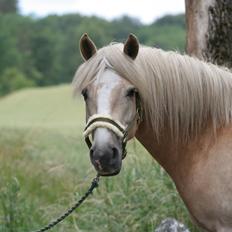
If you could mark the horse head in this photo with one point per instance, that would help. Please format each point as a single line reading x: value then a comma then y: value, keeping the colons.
x: 112, y: 110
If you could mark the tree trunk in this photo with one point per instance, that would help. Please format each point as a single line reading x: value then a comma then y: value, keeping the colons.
x: 8, y: 6
x: 209, y: 30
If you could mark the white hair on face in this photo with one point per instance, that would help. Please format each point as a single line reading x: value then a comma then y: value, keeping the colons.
x: 110, y: 80
x: 177, y: 91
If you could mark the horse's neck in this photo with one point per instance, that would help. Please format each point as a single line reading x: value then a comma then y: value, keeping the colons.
x: 175, y: 157
x: 162, y: 150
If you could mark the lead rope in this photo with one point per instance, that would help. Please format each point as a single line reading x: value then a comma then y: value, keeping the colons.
x: 75, y: 206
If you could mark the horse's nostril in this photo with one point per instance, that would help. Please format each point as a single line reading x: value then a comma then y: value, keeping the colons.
x: 115, y: 153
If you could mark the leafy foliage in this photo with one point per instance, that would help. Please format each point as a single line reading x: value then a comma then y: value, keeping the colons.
x: 12, y: 79
x: 45, y: 51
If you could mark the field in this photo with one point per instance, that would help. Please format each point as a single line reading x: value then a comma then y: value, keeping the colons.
x: 44, y: 167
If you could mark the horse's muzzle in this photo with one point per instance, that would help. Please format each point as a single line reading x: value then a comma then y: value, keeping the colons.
x: 107, y: 160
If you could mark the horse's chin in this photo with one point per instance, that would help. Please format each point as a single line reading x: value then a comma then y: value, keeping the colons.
x: 101, y: 173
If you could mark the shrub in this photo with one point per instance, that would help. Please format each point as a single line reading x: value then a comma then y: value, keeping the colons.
x: 13, y: 79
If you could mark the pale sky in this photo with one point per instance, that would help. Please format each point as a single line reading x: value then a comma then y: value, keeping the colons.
x: 145, y: 10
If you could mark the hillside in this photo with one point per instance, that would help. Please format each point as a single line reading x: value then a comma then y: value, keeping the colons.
x: 48, y: 107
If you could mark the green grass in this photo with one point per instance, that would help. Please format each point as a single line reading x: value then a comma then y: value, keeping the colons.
x: 44, y: 167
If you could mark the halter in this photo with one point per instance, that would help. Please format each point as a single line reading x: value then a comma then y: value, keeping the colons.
x: 106, y: 121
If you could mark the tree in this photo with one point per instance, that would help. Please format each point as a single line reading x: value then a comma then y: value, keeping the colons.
x: 8, y: 6
x: 45, y: 50
x: 9, y: 56
x: 209, y: 26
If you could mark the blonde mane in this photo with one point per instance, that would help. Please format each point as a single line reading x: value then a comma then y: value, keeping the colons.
x: 176, y: 90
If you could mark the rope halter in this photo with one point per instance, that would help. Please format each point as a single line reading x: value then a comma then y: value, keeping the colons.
x: 106, y: 121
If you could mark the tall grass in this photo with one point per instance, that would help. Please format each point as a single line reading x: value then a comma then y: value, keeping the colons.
x: 44, y: 172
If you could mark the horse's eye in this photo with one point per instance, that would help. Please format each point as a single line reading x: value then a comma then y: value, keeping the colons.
x: 131, y: 92
x: 84, y: 93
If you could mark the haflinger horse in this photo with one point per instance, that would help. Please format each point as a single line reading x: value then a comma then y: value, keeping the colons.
x: 178, y: 107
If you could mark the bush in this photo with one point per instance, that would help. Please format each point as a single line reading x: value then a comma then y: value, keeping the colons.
x: 13, y: 79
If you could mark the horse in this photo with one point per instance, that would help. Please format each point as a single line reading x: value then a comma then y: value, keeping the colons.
x: 178, y: 107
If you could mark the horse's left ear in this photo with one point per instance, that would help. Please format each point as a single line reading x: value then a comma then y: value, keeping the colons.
x: 87, y: 47
x: 131, y: 46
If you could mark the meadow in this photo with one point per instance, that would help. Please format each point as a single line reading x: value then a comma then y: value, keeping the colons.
x: 45, y: 167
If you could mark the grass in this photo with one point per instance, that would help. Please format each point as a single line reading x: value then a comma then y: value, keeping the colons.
x: 44, y: 167
x: 50, y: 107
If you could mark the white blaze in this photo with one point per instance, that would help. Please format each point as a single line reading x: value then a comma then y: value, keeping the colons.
x: 107, y: 82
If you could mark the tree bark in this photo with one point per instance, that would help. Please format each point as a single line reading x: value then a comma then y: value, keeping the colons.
x: 8, y: 6
x: 209, y: 30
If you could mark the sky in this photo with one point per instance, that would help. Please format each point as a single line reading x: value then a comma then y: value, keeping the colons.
x: 145, y: 10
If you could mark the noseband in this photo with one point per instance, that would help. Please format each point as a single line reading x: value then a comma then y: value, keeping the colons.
x: 106, y: 121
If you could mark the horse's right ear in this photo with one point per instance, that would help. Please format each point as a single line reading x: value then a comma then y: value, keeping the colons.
x: 87, y: 47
